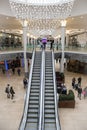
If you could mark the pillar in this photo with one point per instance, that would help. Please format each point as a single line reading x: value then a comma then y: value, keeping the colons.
x: 34, y: 43
x: 28, y: 40
x: 67, y: 40
x: 63, y: 25
x: 25, y: 47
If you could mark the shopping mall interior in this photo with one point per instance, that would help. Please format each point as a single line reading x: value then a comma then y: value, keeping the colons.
x: 43, y: 49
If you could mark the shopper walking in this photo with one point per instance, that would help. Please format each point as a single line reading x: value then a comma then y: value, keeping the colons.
x: 79, y: 92
x: 79, y: 81
x: 25, y: 82
x: 12, y: 92
x: 19, y: 71
x: 7, y: 90
x: 73, y: 82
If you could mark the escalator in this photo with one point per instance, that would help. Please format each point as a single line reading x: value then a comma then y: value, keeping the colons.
x: 50, y: 112
x: 40, y: 111
x: 30, y: 119
x: 33, y: 109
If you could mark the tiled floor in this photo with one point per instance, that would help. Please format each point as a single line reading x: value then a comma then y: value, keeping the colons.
x: 74, y: 119
x: 11, y: 110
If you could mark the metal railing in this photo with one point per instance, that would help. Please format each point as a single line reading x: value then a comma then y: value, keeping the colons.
x: 56, y: 48
x: 43, y: 87
x: 58, y: 127
x: 41, y: 93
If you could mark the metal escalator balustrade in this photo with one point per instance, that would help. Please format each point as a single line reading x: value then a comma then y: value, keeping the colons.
x: 58, y: 126
x: 41, y: 121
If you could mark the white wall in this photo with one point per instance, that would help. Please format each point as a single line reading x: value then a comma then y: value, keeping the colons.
x: 79, y: 8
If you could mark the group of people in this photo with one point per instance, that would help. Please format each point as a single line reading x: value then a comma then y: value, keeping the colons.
x: 18, y: 71
x: 77, y: 86
x: 9, y: 91
x: 61, y: 88
x: 13, y: 70
x: 74, y: 84
x: 43, y: 45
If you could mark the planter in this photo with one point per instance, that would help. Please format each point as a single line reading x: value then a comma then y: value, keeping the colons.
x: 66, y: 104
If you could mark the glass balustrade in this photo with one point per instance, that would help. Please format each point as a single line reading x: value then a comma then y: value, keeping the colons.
x: 56, y: 47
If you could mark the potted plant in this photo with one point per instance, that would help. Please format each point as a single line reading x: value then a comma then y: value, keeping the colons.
x: 67, y: 101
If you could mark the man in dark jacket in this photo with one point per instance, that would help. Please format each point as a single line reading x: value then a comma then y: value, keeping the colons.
x: 79, y: 92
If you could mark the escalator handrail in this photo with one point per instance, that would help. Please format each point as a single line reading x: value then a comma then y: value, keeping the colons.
x: 24, y: 117
x: 41, y: 93
x: 58, y: 127
x: 43, y: 89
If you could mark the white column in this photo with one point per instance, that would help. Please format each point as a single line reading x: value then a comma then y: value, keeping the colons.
x: 25, y: 47
x: 31, y: 40
x: 55, y: 43
x: 63, y: 25
x: 67, y: 40
x: 22, y: 40
x: 28, y: 39
x: 33, y: 43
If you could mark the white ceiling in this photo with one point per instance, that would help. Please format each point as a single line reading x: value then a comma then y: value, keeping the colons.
x: 77, y: 20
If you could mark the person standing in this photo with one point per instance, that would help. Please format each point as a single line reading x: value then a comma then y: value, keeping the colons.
x: 79, y: 92
x: 79, y: 81
x: 73, y: 82
x: 19, y: 71
x: 7, y: 90
x: 12, y: 92
x: 13, y: 70
x: 25, y: 82
x: 51, y: 44
x: 28, y: 63
x: 3, y: 70
x: 44, y: 45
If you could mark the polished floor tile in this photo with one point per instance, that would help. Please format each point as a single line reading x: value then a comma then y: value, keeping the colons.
x: 11, y: 110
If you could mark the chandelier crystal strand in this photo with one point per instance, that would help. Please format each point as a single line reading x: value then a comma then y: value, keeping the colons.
x: 27, y: 9
x: 41, y: 2
x: 41, y: 23
x: 42, y: 14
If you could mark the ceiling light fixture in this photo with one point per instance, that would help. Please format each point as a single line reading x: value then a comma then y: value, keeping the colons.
x: 44, y: 14
x: 41, y: 9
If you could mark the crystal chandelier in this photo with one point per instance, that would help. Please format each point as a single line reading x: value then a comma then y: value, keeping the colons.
x: 44, y: 24
x: 41, y: 9
x: 42, y: 15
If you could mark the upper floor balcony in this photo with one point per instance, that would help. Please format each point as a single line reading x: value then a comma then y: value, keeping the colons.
x: 56, y: 47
